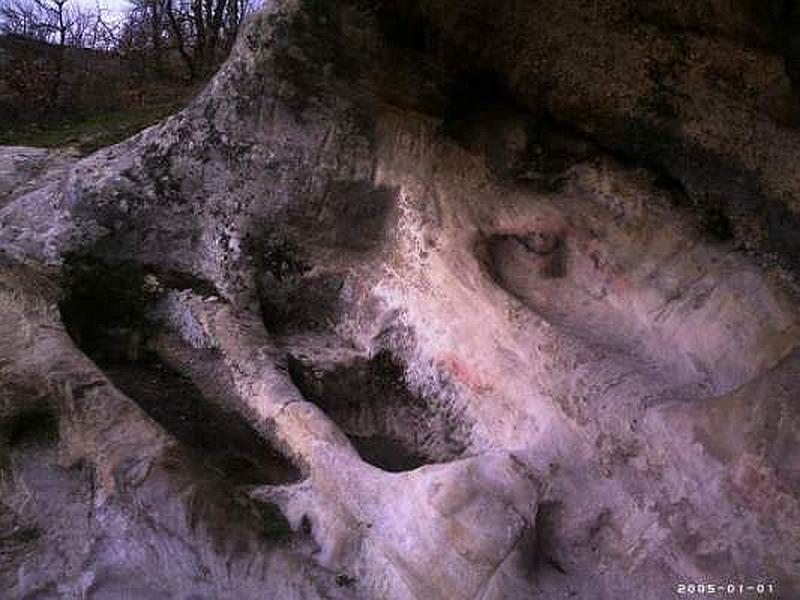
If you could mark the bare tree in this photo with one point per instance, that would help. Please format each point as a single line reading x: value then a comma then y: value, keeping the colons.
x: 204, y: 30
x: 153, y: 33
x: 104, y: 33
x: 60, y: 22
x: 201, y: 32
x: 24, y: 18
x: 146, y: 32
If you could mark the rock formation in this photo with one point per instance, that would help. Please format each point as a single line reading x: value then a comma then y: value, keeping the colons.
x: 425, y: 299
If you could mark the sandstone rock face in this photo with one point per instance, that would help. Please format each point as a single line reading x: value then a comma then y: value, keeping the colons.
x: 418, y: 300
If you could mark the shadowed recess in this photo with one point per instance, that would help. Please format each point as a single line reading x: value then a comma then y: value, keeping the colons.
x: 112, y: 323
x: 392, y: 427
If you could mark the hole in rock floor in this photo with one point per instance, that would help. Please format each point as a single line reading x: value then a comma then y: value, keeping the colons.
x: 392, y: 427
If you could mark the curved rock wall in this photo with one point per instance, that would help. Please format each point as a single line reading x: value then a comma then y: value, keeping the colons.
x: 502, y: 294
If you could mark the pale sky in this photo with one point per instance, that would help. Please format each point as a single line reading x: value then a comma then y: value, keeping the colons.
x: 112, y: 6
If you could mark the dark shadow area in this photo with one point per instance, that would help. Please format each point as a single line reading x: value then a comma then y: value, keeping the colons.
x: 300, y: 303
x: 388, y: 453
x: 547, y: 555
x: 354, y: 217
x: 392, y: 427
x: 292, y: 297
x: 108, y: 314
x: 35, y: 425
x: 727, y: 195
x: 229, y: 519
x: 222, y: 441
x: 38, y: 423
x: 521, y: 146
x: 472, y: 93
x: 404, y: 26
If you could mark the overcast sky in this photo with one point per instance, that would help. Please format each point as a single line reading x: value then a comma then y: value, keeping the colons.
x: 115, y: 6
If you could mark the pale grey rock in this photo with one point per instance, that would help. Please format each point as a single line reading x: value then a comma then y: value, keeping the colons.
x: 464, y: 352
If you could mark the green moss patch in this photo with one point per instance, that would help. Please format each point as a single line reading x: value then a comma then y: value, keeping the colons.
x: 86, y: 132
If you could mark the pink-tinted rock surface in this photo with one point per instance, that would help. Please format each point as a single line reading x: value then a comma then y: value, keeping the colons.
x: 424, y: 300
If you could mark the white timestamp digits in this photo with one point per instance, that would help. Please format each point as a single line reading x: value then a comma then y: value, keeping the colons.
x: 697, y: 588
x: 711, y: 589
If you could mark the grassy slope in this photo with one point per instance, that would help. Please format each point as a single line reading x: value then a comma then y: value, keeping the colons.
x: 88, y: 132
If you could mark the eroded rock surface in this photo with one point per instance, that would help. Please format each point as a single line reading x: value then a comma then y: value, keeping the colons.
x: 386, y: 312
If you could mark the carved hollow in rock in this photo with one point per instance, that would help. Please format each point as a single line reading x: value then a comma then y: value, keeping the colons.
x: 113, y: 325
x: 392, y: 427
x: 299, y: 277
x: 32, y: 426
x: 294, y: 296
x: 355, y: 216
x: 35, y: 423
x: 302, y: 302
x: 580, y: 307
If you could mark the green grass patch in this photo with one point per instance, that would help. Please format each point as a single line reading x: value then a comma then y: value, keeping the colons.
x: 87, y: 132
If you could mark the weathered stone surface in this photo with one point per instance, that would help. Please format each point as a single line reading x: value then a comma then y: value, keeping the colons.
x: 387, y: 313
x: 24, y: 169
